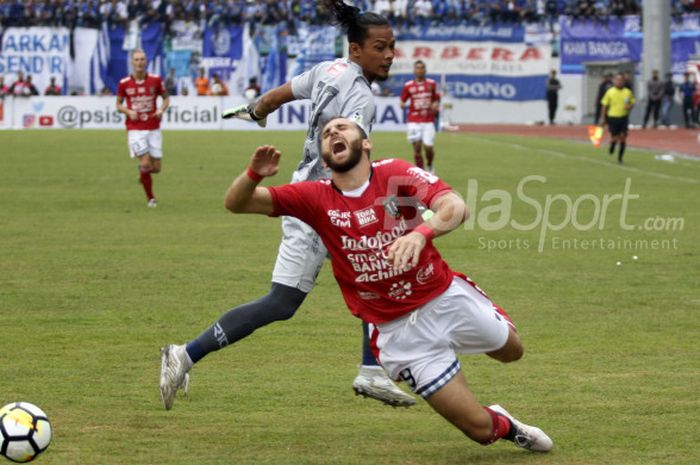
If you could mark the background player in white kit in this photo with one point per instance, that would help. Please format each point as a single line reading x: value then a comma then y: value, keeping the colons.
x: 340, y: 87
x: 424, y: 98
x: 422, y: 312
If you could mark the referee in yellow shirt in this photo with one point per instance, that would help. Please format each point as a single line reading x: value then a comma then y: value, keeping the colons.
x: 617, y: 104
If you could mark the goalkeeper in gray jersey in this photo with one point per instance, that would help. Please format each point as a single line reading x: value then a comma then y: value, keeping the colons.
x: 335, y: 88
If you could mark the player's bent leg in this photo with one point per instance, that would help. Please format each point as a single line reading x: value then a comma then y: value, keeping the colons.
x: 457, y: 404
x: 417, y: 154
x: 145, y: 169
x: 240, y: 322
x: 155, y: 165
x: 429, y: 156
x: 176, y: 360
x: 524, y: 436
x: 511, y: 351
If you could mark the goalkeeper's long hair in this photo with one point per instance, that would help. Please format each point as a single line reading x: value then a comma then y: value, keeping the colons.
x: 353, y: 21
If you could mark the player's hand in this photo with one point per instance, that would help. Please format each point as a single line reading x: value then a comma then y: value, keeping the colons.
x: 244, y: 112
x: 265, y: 160
x: 405, y: 252
x: 132, y: 114
x: 159, y: 114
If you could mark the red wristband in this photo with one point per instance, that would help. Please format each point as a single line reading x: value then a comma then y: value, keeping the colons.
x: 253, y: 175
x: 425, y: 230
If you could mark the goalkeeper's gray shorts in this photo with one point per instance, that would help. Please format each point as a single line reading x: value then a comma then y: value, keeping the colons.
x: 300, y: 255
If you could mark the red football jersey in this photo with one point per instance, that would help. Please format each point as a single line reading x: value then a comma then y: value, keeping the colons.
x: 142, y: 96
x: 358, y: 231
x: 422, y: 95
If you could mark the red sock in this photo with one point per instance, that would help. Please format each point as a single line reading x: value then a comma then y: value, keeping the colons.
x: 501, y: 427
x: 419, y: 160
x: 147, y: 183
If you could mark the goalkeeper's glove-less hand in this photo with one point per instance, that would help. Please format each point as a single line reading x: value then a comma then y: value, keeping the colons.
x: 246, y: 113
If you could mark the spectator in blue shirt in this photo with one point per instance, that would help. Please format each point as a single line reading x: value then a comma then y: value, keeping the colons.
x: 687, y: 89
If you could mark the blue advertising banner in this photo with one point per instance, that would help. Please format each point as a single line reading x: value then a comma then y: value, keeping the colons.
x: 222, y: 48
x: 39, y: 52
x: 470, y: 33
x: 483, y: 70
x: 621, y: 39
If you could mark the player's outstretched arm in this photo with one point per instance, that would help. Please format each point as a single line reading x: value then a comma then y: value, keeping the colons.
x: 450, y: 211
x: 266, y: 104
x: 244, y: 195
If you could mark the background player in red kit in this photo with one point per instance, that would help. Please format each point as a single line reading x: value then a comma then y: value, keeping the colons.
x: 425, y: 103
x: 141, y: 91
x: 422, y: 314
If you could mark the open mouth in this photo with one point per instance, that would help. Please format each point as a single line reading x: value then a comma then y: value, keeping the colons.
x: 337, y: 146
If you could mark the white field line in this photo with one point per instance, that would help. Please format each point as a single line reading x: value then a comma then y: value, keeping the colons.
x: 608, y: 164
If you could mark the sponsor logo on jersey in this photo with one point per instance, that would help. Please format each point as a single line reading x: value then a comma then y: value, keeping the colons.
x: 400, y: 290
x: 390, y: 206
x: 366, y: 216
x: 376, y: 242
x: 425, y: 274
x: 337, y: 68
x: 367, y: 295
x: 338, y: 218
x: 130, y: 91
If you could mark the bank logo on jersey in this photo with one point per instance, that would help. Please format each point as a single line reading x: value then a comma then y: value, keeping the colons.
x: 366, y: 216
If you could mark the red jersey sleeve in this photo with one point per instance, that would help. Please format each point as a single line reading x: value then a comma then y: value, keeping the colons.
x: 404, y: 93
x: 163, y: 92
x: 436, y: 93
x: 121, y: 90
x: 297, y: 200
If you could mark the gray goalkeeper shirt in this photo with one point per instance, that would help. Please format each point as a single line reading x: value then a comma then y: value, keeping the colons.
x: 335, y: 88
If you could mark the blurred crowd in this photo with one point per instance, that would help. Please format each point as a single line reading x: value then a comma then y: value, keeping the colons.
x: 92, y: 13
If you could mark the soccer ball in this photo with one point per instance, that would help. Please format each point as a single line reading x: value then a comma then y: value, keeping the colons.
x: 25, y: 431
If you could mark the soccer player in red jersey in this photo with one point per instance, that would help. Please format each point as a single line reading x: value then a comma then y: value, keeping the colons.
x: 137, y: 97
x: 422, y: 314
x: 424, y: 105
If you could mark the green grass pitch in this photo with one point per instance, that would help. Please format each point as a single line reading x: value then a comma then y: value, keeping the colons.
x: 92, y: 283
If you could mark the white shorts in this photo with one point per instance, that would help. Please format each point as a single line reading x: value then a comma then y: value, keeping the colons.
x: 145, y: 142
x: 423, y: 132
x: 421, y: 348
x: 300, y: 255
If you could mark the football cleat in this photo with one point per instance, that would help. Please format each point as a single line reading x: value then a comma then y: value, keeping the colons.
x: 174, y: 367
x: 373, y: 382
x: 526, y: 436
x: 152, y: 203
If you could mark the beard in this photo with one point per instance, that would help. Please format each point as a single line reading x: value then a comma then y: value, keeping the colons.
x: 350, y: 163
